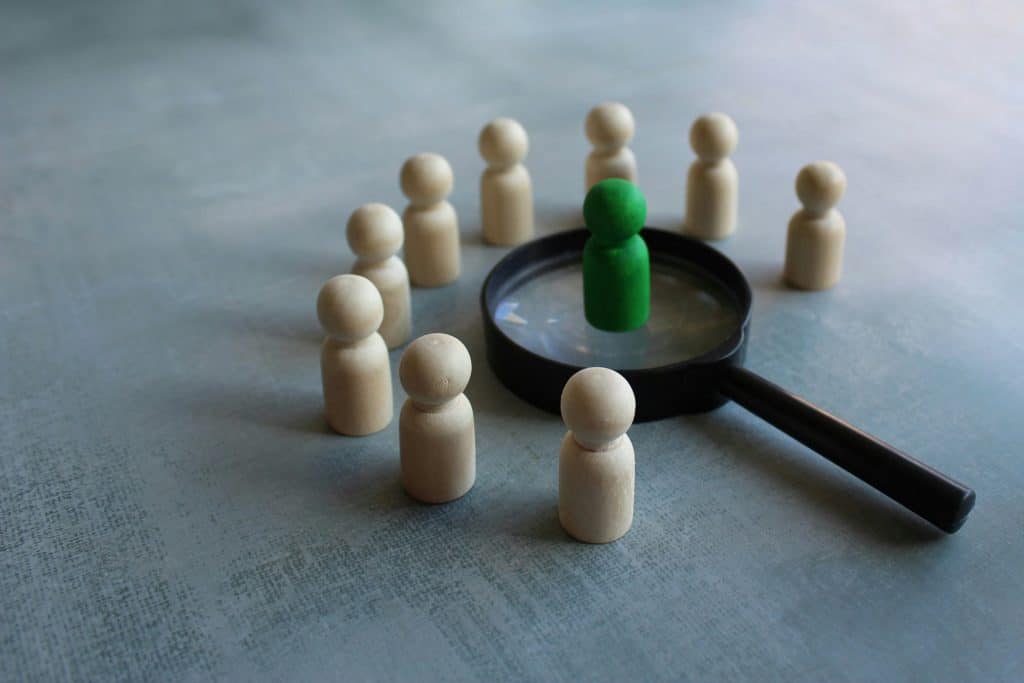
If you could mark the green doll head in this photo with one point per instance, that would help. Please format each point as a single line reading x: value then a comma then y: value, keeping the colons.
x: 614, y: 210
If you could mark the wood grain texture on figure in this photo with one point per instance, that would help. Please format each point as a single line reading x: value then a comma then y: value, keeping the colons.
x: 712, y: 184
x: 437, y: 436
x: 506, y: 192
x: 374, y: 234
x: 610, y: 127
x: 432, y: 251
x: 596, y: 464
x: 817, y: 232
x: 354, y: 365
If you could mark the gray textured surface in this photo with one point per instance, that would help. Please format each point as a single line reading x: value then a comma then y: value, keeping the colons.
x: 174, y: 181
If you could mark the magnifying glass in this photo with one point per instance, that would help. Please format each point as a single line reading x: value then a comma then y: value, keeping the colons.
x: 687, y: 359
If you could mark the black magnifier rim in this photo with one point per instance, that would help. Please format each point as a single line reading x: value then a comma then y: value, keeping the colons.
x: 684, y: 387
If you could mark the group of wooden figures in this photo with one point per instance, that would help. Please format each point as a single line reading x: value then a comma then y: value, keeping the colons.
x: 368, y: 312
x: 436, y: 433
x: 817, y: 232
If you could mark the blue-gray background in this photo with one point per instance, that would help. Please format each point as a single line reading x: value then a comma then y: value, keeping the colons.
x: 174, y: 183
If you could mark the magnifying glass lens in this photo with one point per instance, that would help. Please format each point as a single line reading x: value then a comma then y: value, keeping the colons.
x: 692, y: 313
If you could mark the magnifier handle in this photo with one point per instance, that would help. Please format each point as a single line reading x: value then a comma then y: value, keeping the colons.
x: 937, y: 498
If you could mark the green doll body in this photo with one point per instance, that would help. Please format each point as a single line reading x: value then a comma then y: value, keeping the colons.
x: 616, y: 264
x: 616, y: 284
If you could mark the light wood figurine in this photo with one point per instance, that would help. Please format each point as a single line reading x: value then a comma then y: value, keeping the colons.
x: 596, y: 465
x: 432, y: 250
x: 817, y: 232
x: 610, y: 127
x: 437, y: 437
x: 506, y: 193
x: 374, y: 233
x: 354, y: 365
x: 712, y: 185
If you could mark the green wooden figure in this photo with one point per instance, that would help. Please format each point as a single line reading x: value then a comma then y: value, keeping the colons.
x: 616, y: 265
